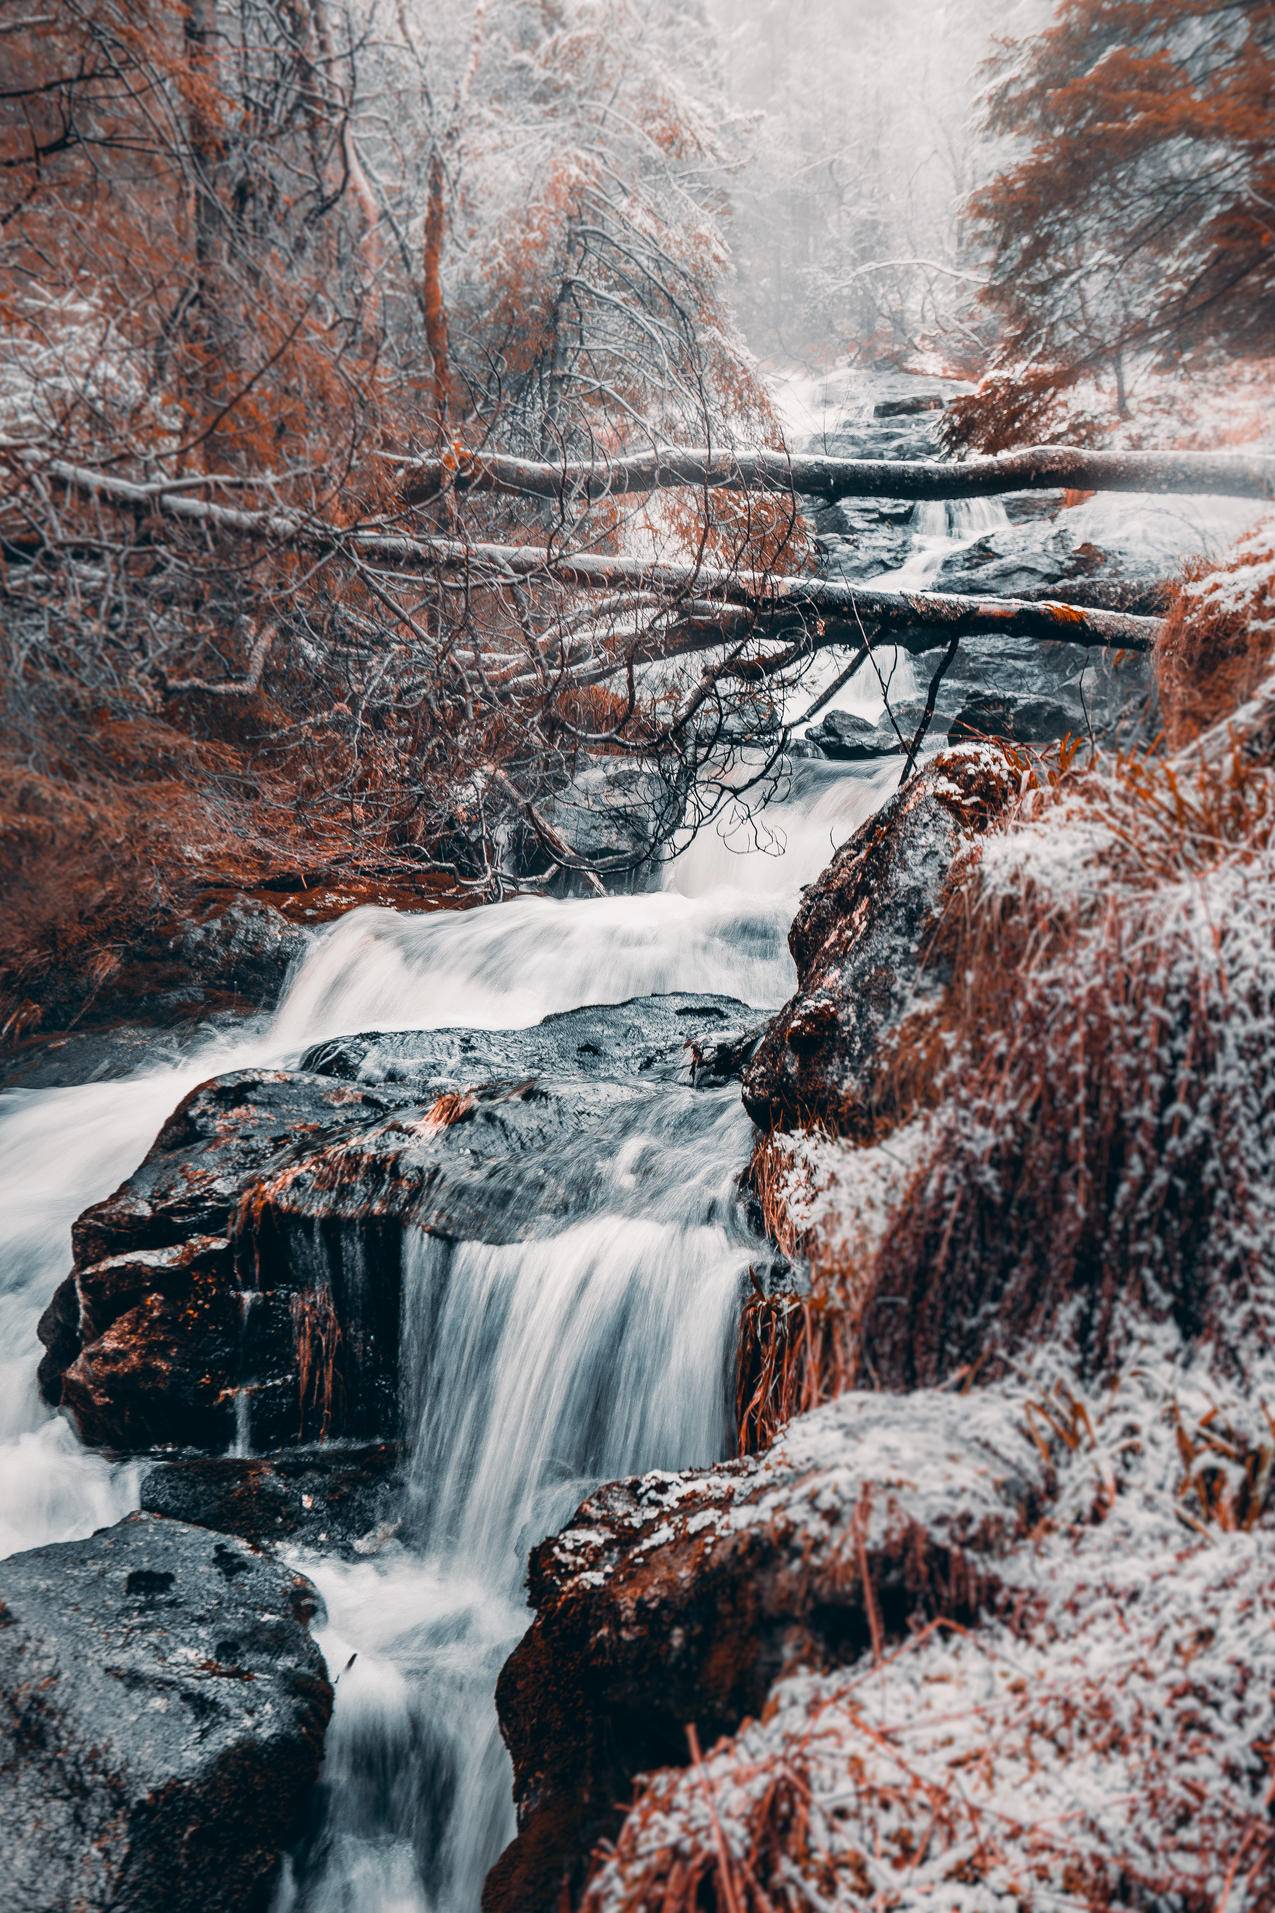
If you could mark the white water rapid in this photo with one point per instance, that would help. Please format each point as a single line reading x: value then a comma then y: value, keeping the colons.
x: 532, y: 1371
x: 535, y: 1370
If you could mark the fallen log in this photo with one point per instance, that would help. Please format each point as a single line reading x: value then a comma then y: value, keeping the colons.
x: 813, y: 475
x: 891, y: 616
x: 850, y: 613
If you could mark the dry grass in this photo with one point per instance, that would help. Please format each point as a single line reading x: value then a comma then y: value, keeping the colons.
x: 940, y: 1780
x: 794, y: 1354
x: 139, y: 828
x: 95, y: 868
x: 1095, y: 1076
x: 796, y: 1349
x: 1218, y: 641
x: 1100, y: 1142
x: 1106, y: 1134
x: 1098, y: 1740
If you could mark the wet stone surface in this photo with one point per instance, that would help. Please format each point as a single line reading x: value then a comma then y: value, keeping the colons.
x: 163, y: 1720
x: 247, y: 1275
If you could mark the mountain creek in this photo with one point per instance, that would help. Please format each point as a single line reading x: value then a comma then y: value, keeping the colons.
x: 372, y: 1287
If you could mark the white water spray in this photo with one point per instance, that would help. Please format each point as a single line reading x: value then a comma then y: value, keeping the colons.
x: 533, y: 1370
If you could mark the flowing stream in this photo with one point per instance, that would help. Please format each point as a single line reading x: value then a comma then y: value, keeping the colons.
x: 532, y: 1371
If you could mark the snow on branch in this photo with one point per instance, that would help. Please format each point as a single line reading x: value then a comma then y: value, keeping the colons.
x: 1035, y: 468
x: 843, y: 613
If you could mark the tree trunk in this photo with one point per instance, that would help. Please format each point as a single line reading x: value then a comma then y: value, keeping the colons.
x: 916, y: 619
x: 433, y: 302
x: 1036, y: 468
x: 210, y: 340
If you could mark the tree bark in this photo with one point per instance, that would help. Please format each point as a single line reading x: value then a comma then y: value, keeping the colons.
x: 209, y: 329
x: 849, y: 611
x: 433, y: 301
x: 1036, y: 468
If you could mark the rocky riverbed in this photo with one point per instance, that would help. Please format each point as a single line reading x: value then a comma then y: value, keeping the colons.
x: 360, y: 1319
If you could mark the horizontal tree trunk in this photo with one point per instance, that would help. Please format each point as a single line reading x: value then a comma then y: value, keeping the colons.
x: 1036, y: 468
x: 850, y: 612
x: 892, y: 616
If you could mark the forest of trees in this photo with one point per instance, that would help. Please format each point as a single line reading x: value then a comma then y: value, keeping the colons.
x: 259, y: 260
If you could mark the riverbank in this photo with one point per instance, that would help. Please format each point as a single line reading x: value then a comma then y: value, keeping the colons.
x: 438, y: 1280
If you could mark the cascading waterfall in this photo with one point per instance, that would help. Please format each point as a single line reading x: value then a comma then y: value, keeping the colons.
x: 719, y: 924
x: 531, y: 1370
x: 540, y: 1368
x: 941, y: 528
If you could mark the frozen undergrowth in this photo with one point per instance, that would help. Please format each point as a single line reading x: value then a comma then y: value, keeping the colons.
x: 865, y: 1471
x: 1103, y: 1740
x: 839, y: 1194
x: 1090, y: 1217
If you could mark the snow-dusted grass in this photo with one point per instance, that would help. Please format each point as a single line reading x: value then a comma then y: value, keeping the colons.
x: 1216, y: 646
x: 1101, y: 1741
x: 1092, y: 1106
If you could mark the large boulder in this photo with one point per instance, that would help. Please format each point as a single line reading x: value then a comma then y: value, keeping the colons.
x: 1025, y: 720
x: 164, y: 1708
x: 613, y: 814
x: 244, y: 1283
x: 864, y: 942
x: 245, y: 948
x: 909, y: 405
x: 682, y: 1598
x: 160, y: 1321
x: 341, y: 1497
x: 848, y: 739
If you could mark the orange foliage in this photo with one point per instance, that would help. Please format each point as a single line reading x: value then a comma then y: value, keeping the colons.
x: 1218, y: 642
x: 1099, y: 259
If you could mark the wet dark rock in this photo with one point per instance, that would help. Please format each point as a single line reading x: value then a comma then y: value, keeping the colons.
x: 1016, y: 561
x: 682, y: 1598
x: 907, y: 407
x: 1028, y: 720
x: 613, y: 814
x: 857, y: 539
x: 163, y: 1720
x: 648, y: 1036
x: 1025, y: 508
x: 1103, y: 694
x: 853, y: 740
x: 100, y: 1054
x: 722, y: 1052
x: 210, y: 965
x: 1040, y: 558
x: 247, y: 948
x: 249, y: 1272
x: 144, y: 1340
x: 341, y: 1497
x: 863, y: 945
x: 963, y: 710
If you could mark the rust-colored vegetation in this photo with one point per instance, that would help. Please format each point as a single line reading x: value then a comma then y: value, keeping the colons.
x: 1095, y: 1135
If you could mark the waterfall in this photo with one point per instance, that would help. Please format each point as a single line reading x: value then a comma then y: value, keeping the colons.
x: 530, y: 1370
x: 941, y: 528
